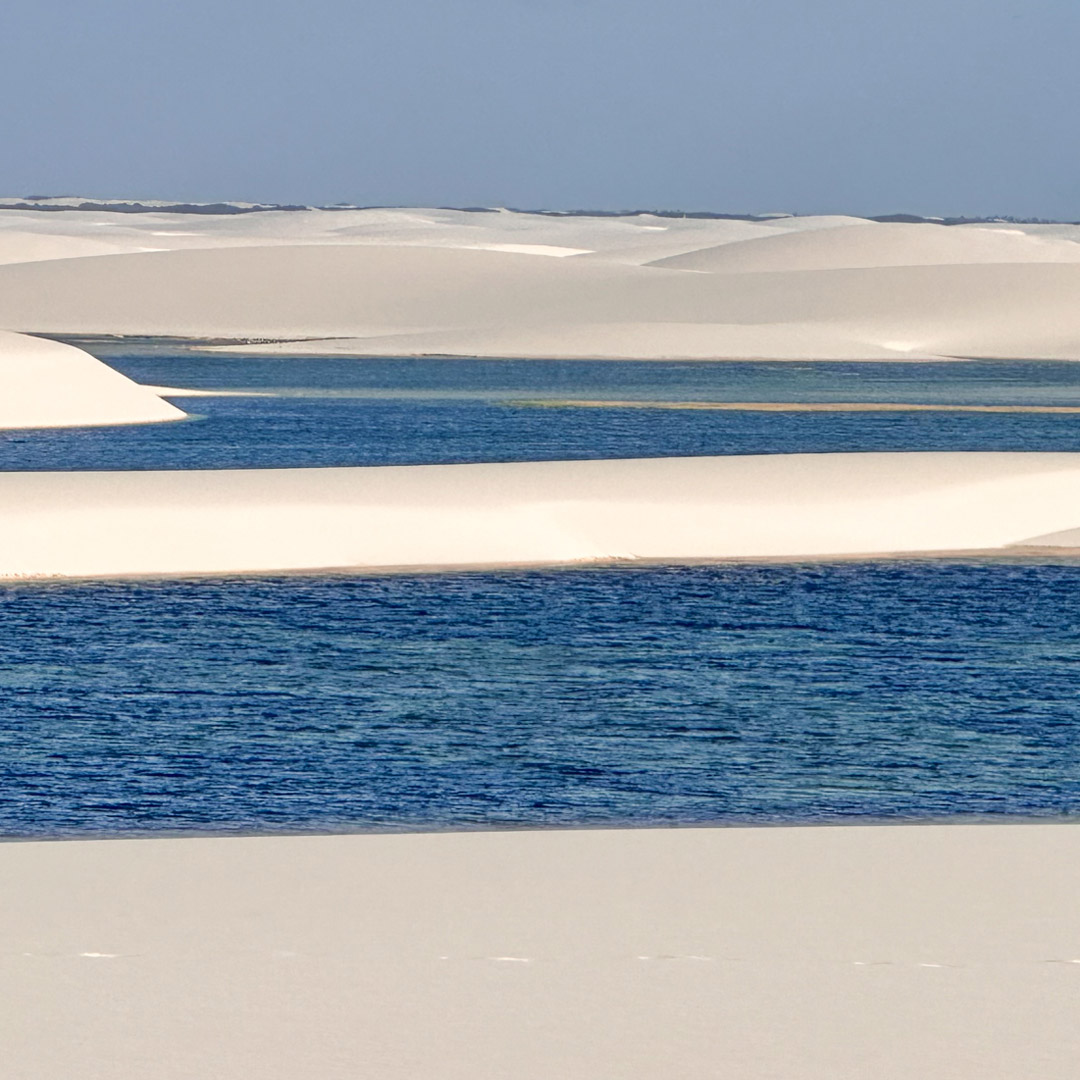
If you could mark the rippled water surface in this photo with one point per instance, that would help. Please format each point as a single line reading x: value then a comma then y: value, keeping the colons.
x: 604, y: 696
x: 374, y: 412
x: 748, y: 693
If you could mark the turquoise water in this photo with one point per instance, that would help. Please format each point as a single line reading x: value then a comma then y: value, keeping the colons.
x: 907, y: 690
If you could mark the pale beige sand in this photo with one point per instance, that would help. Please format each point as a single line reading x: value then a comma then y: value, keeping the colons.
x: 413, y: 517
x: 408, y: 282
x: 27, y: 236
x: 873, y: 245
x: 47, y: 384
x: 630, y: 340
x: 938, y: 952
x: 1065, y: 538
x: 440, y: 300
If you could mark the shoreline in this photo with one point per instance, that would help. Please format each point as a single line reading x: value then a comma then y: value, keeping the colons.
x: 1015, y: 554
x: 277, y: 349
x: 950, y: 821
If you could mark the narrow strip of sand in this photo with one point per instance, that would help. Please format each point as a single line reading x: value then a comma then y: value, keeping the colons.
x: 938, y: 952
x: 780, y: 406
x: 547, y: 513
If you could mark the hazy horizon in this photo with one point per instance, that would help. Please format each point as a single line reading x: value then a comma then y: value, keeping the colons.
x: 92, y: 200
x: 847, y: 106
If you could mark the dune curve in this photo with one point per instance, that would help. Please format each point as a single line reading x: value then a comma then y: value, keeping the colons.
x: 49, y: 384
x: 447, y: 301
x: 869, y: 245
x: 451, y: 283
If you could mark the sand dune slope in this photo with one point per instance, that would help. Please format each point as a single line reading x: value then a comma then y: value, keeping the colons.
x: 443, y: 282
x: 782, y: 506
x: 873, y: 245
x: 27, y: 236
x: 301, y: 291
x: 522, y: 305
x: 938, y: 952
x: 47, y: 384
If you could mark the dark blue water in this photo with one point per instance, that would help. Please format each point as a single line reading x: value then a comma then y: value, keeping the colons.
x: 971, y: 382
x: 604, y: 696
x: 642, y: 696
x: 373, y: 412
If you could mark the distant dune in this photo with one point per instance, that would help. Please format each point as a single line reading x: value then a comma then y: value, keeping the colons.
x: 404, y: 282
x: 865, y: 246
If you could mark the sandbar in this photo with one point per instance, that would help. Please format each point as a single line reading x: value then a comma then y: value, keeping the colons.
x: 109, y: 524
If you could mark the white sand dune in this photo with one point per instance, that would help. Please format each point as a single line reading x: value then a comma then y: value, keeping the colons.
x: 302, y: 291
x: 30, y: 236
x: 873, y: 245
x: 19, y: 246
x: 480, y: 300
x: 938, y: 952
x: 996, y: 310
x: 48, y: 384
x: 456, y: 283
x: 549, y: 513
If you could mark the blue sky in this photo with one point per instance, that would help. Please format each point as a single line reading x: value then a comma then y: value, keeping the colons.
x: 857, y: 106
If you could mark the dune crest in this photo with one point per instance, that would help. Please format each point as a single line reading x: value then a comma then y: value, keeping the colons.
x: 866, y: 246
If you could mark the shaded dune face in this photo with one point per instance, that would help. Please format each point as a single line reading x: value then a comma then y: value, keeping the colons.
x: 48, y: 384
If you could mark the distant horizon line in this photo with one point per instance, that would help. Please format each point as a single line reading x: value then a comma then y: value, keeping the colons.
x: 47, y: 203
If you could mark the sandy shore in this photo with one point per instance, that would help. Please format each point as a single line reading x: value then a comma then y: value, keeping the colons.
x: 412, y: 517
x: 939, y: 952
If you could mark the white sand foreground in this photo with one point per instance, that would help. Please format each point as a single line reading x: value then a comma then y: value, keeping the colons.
x: 444, y: 516
x: 404, y: 282
x: 937, y: 952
